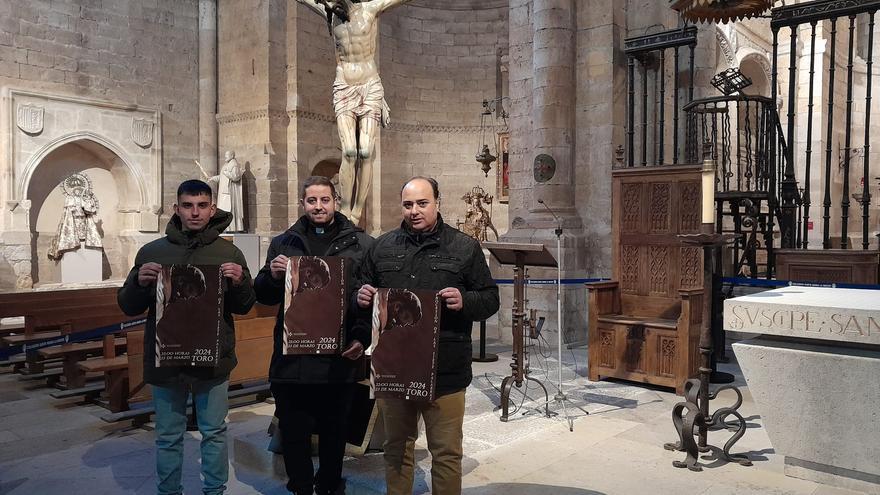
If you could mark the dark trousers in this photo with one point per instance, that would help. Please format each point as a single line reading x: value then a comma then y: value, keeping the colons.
x: 306, y: 409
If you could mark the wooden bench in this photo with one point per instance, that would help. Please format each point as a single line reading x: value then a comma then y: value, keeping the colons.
x: 49, y: 314
x: 644, y: 325
x: 72, y: 354
x: 253, y: 347
x: 115, y: 371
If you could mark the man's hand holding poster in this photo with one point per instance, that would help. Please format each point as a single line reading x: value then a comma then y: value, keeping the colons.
x: 189, y: 305
x: 406, y: 329
x: 315, y: 301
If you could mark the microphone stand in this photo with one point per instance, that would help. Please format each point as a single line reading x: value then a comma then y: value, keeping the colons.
x: 560, y: 396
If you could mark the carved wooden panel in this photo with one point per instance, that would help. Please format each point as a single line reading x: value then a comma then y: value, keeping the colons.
x: 666, y: 356
x: 690, y: 263
x: 606, y: 348
x: 690, y: 206
x: 635, y: 350
x: 629, y: 269
x: 631, y: 207
x: 852, y: 266
x: 659, y: 207
x: 658, y: 263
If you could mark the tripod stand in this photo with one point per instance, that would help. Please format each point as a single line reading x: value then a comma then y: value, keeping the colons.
x: 561, y: 398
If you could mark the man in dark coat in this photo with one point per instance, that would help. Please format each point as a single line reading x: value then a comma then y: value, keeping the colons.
x: 314, y: 392
x: 192, y: 237
x: 425, y: 253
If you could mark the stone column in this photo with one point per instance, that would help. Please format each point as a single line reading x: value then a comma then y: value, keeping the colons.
x: 553, y: 101
x: 543, y: 102
x: 208, y: 155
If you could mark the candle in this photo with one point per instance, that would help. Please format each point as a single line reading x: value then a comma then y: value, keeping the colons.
x: 708, y: 191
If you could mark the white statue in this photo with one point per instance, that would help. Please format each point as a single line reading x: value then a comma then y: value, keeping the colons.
x: 77, y: 226
x: 229, y: 193
x: 358, y: 95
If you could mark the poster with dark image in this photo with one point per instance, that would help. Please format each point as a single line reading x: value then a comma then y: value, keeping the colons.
x: 315, y: 301
x: 189, y: 306
x: 406, y: 328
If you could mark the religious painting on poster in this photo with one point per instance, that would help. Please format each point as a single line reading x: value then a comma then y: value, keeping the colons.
x: 314, y: 304
x: 406, y: 329
x: 503, y: 168
x: 189, y: 309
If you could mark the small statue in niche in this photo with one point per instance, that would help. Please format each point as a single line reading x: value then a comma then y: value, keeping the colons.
x: 229, y: 190
x: 478, y: 220
x: 77, y: 227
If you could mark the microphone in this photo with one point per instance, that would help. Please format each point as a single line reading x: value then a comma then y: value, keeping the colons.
x: 558, y: 220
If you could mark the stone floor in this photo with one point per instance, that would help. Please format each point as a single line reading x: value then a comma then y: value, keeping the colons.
x: 50, y: 446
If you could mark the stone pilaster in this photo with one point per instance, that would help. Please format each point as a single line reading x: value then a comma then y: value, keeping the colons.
x: 208, y: 85
x: 542, y: 86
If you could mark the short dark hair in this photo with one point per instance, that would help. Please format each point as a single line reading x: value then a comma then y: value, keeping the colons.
x: 194, y: 187
x: 435, y: 187
x: 317, y: 180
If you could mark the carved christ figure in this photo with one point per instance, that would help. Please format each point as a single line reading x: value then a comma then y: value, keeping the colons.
x: 358, y: 95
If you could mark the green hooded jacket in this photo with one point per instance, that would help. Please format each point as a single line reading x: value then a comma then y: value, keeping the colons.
x: 197, y: 248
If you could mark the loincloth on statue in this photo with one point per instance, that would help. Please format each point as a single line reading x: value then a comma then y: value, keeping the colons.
x: 360, y: 100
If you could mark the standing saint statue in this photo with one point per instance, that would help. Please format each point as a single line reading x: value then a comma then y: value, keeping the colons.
x: 77, y: 226
x: 229, y: 193
x: 358, y: 95
x: 478, y: 220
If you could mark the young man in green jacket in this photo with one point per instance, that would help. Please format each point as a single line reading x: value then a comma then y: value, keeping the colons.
x: 191, y: 237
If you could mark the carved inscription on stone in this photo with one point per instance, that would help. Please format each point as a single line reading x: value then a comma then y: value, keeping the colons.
x: 845, y: 315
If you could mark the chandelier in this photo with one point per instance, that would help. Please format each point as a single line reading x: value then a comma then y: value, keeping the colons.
x: 484, y: 156
x: 720, y: 10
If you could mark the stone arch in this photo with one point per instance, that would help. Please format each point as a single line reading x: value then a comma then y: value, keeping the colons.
x: 113, y: 184
x: 756, y: 66
x: 42, y: 153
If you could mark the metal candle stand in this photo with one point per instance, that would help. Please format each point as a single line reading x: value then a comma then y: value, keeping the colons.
x: 697, y: 421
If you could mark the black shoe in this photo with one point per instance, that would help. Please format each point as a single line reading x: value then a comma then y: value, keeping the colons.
x: 339, y: 490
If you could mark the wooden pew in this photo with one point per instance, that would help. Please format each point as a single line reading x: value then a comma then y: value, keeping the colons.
x: 50, y: 314
x: 72, y: 354
x: 253, y: 347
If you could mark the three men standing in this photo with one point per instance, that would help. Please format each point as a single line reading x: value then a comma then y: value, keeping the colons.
x: 315, y: 392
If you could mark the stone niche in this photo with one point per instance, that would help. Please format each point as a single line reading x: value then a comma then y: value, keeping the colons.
x: 47, y: 138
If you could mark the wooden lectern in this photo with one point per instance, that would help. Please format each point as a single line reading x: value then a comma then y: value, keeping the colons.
x: 520, y: 256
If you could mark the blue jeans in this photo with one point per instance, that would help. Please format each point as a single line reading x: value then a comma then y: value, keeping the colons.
x: 212, y: 403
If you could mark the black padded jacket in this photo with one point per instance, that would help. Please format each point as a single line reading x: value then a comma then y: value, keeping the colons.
x: 351, y: 242
x: 443, y: 258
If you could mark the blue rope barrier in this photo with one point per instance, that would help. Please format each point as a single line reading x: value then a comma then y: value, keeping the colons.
x: 757, y: 282
x: 7, y: 352
x: 551, y: 281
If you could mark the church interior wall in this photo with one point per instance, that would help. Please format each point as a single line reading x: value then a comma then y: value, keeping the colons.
x: 438, y: 65
x: 126, y: 52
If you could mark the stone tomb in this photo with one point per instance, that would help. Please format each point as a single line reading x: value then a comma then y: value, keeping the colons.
x: 815, y: 376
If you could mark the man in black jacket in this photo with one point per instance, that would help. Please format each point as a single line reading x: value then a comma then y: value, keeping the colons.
x: 314, y: 393
x: 425, y: 253
x: 191, y: 237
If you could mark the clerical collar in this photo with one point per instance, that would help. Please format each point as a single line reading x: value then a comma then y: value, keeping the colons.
x: 323, y: 229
